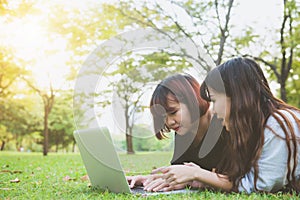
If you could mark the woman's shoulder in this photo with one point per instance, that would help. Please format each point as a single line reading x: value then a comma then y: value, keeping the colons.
x: 281, y: 114
x: 280, y: 117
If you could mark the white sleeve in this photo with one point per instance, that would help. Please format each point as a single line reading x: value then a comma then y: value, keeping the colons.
x: 272, y: 164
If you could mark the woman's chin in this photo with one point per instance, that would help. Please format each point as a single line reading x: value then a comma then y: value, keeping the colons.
x: 181, y: 132
x: 227, y: 128
x: 225, y: 125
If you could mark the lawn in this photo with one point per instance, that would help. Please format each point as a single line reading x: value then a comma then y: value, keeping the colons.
x: 60, y: 176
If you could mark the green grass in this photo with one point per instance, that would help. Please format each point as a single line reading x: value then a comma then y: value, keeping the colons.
x: 43, y: 178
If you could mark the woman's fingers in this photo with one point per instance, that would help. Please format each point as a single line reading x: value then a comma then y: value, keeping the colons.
x: 154, y: 184
x: 160, y: 187
x: 135, y: 180
x: 175, y: 187
x: 159, y: 170
x: 132, y: 183
x: 170, y: 179
x: 151, y: 178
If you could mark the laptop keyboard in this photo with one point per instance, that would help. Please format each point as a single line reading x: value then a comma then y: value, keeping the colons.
x: 138, y: 190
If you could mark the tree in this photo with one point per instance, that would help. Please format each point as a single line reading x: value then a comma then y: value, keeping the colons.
x: 293, y: 84
x: 135, y: 73
x: 288, y: 44
x: 18, y: 10
x: 61, y: 122
x: 10, y: 111
x: 19, y: 117
x: 9, y: 71
x: 85, y: 34
x: 144, y: 140
x: 48, y: 102
x: 209, y: 27
x: 282, y: 64
x: 42, y: 53
x: 5, y: 136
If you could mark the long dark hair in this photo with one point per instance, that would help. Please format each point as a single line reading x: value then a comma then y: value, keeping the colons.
x: 252, y: 103
x: 182, y: 88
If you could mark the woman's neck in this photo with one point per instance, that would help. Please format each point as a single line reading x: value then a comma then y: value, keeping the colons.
x: 203, y: 125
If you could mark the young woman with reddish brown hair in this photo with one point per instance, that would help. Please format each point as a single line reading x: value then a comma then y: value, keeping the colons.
x: 176, y: 105
x: 263, y: 152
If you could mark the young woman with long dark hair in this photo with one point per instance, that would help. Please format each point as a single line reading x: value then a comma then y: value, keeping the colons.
x: 263, y: 152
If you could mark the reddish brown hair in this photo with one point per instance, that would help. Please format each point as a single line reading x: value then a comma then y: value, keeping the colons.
x: 182, y: 88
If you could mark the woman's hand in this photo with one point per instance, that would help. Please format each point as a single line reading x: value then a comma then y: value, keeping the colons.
x: 179, y: 174
x: 157, y: 183
x: 163, y: 181
x: 137, y: 180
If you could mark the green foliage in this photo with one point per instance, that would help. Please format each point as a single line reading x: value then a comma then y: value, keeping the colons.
x: 208, y: 19
x: 133, y: 76
x: 199, y: 14
x: 5, y: 136
x: 19, y: 117
x: 17, y: 9
x: 61, y: 123
x: 145, y: 140
x: 245, y: 40
x: 9, y: 71
x: 85, y: 27
x: 293, y: 85
x: 32, y: 142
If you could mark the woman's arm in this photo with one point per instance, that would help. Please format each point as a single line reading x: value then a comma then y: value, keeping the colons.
x: 273, y: 161
x: 178, y: 174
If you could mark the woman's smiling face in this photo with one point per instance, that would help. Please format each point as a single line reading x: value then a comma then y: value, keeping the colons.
x: 221, y: 106
x: 178, y: 117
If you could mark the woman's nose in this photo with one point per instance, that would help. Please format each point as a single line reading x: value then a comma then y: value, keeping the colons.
x: 214, y: 109
x: 170, y: 121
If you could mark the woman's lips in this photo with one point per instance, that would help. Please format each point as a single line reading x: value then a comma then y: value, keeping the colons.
x: 176, y: 129
x: 223, y: 122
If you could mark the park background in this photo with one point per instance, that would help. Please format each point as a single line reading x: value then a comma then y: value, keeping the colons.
x: 44, y: 45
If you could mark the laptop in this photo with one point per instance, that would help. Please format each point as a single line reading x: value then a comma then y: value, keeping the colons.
x: 103, y: 165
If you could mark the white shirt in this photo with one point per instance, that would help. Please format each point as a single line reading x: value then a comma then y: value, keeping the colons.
x: 272, y: 164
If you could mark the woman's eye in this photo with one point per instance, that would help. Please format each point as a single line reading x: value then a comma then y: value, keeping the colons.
x: 174, y: 112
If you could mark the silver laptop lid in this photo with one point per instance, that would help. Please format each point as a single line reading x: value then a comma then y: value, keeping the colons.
x: 101, y: 160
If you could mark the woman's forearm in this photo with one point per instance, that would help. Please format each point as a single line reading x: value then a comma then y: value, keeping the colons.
x: 213, y: 179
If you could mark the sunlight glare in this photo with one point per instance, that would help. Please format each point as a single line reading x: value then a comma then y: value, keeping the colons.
x: 44, y: 53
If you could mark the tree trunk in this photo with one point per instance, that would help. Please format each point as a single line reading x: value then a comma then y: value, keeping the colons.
x: 2, y: 145
x: 46, y: 139
x: 56, y: 147
x: 283, y: 92
x: 223, y: 30
x: 129, y: 144
x: 128, y: 132
x: 48, y: 101
x: 73, y: 147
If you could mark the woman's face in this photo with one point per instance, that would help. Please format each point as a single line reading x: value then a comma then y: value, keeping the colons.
x: 178, y: 117
x: 221, y: 106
